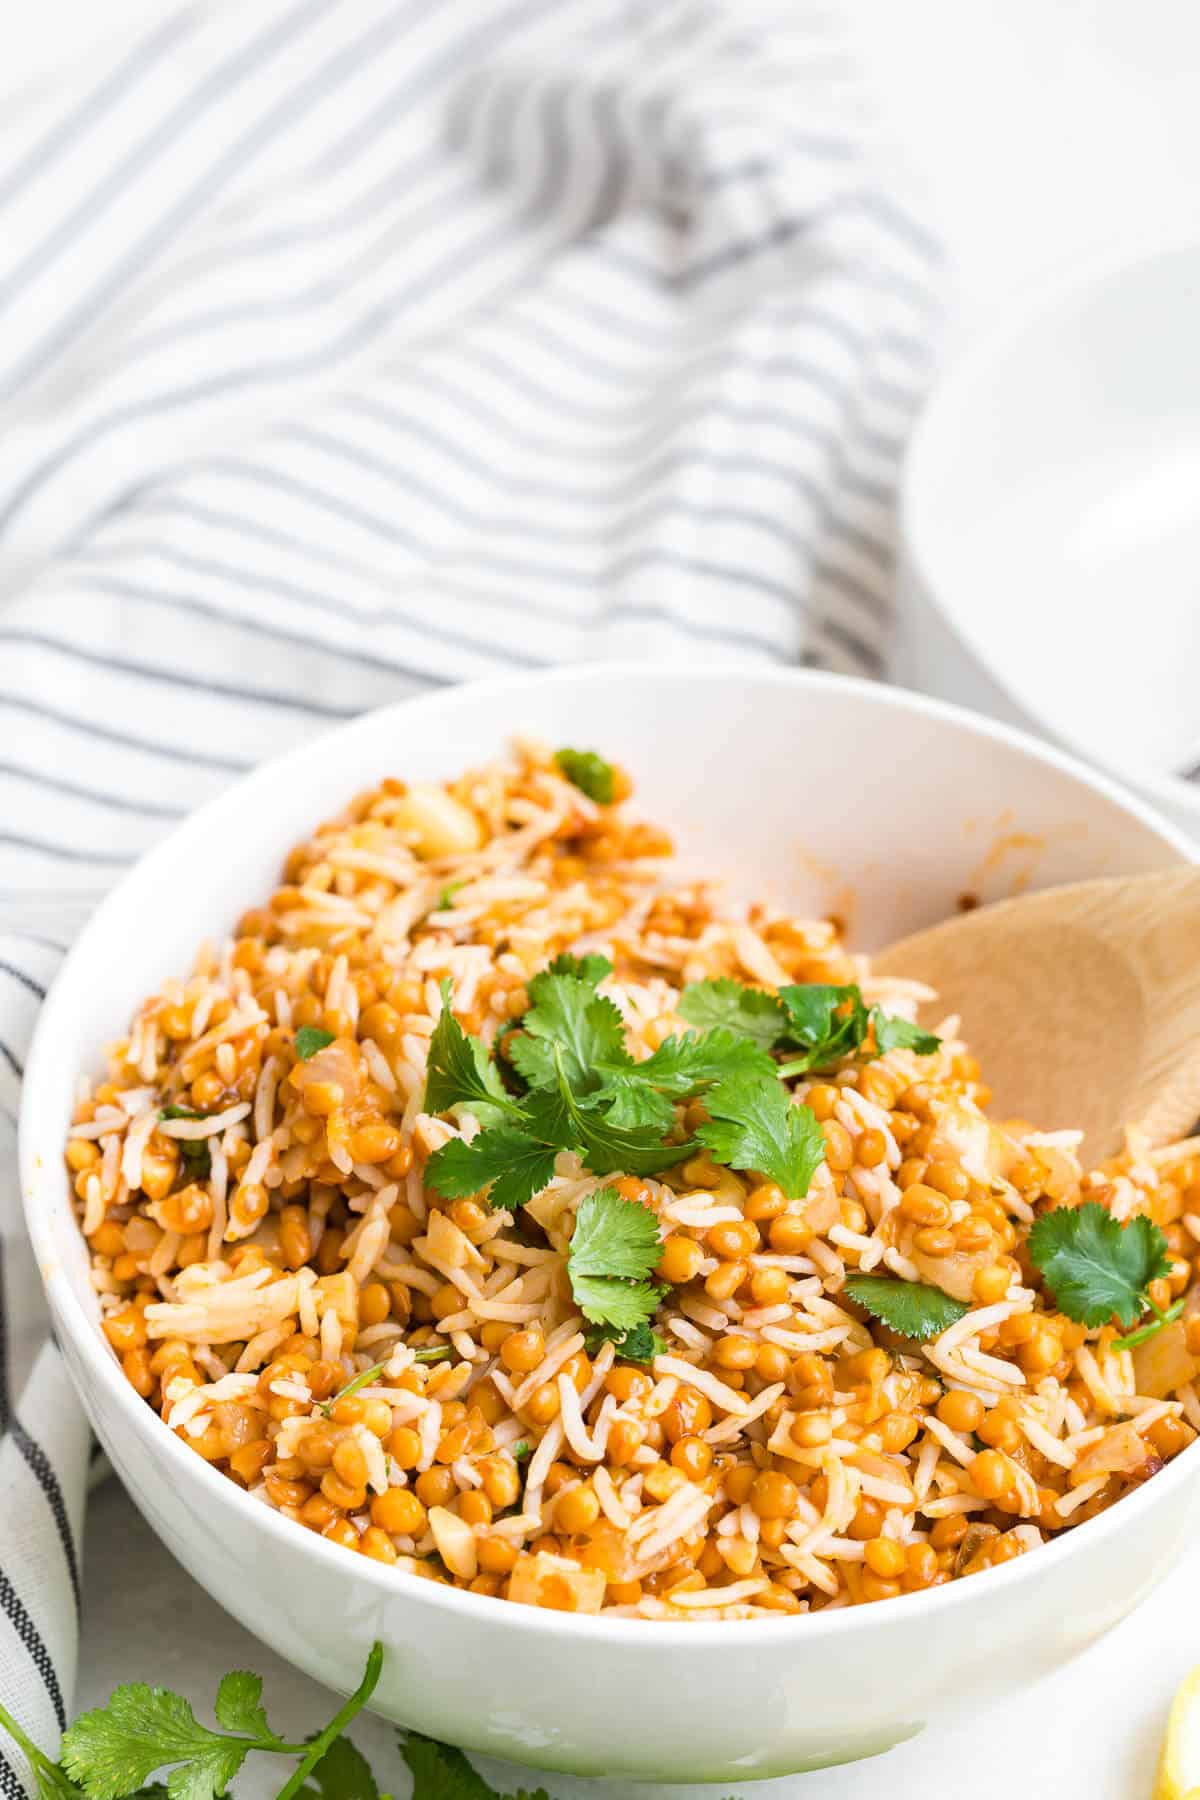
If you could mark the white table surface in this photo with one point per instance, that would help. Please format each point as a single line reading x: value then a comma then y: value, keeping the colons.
x: 1041, y: 131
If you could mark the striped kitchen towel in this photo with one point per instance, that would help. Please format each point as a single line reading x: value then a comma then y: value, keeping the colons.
x: 348, y: 350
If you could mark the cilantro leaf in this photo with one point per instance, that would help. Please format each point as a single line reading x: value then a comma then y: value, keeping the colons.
x: 342, y: 1773
x: 753, y: 1125
x: 588, y: 772
x: 747, y: 1011
x: 614, y: 1236
x: 682, y: 1064
x: 239, y: 1707
x: 625, y: 1305
x: 441, y: 1772
x: 592, y: 968
x: 824, y: 1023
x: 571, y: 1051
x: 446, y: 897
x: 521, y: 1449
x: 892, y: 1033
x: 911, y: 1308
x: 459, y: 1071
x: 181, y: 1112
x: 505, y: 1159
x: 641, y: 1093
x: 606, y: 1147
x: 565, y: 1008
x: 1094, y: 1265
x: 309, y: 1039
x: 637, y: 1344
x: 117, y: 1747
x: 614, y: 1248
x: 112, y: 1751
x: 631, y: 1105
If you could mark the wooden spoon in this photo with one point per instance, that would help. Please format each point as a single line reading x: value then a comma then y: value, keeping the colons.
x: 1082, y: 1003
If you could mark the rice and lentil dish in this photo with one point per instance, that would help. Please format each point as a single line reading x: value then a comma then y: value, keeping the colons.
x: 252, y: 1180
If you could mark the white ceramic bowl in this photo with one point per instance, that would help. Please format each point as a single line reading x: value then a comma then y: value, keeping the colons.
x: 835, y: 794
x: 1050, y: 528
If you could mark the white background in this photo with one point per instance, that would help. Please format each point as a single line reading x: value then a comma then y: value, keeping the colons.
x: 1040, y: 131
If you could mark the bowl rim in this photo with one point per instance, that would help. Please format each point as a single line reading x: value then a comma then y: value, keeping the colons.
x: 1056, y: 296
x: 379, y: 1579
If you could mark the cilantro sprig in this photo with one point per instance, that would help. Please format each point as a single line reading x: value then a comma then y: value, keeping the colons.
x: 817, y: 1024
x: 1098, y: 1268
x: 583, y: 1090
x: 111, y: 1752
x: 613, y: 1252
x: 309, y: 1039
x: 912, y: 1309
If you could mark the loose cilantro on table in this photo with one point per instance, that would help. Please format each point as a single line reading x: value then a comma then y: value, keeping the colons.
x: 614, y: 1249
x: 910, y: 1308
x: 309, y: 1039
x: 1097, y: 1268
x: 440, y: 1772
x: 51, y: 1782
x: 111, y: 1752
x: 343, y: 1773
x: 589, y: 772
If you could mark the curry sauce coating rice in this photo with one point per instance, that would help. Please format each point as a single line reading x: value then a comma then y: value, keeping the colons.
x: 785, y: 1452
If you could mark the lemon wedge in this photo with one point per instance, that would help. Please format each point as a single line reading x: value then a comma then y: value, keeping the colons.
x: 1179, y: 1764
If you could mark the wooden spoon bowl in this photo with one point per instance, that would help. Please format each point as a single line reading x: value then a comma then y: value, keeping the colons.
x: 1082, y: 1003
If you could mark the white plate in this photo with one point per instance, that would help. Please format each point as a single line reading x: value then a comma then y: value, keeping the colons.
x: 1051, y: 523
